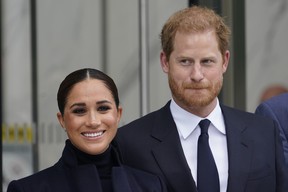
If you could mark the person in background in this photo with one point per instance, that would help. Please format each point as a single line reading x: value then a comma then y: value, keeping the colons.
x: 272, y: 91
x: 277, y: 108
x: 89, y: 112
x: 240, y: 152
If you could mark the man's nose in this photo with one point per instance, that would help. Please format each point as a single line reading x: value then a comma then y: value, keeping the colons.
x: 196, y: 72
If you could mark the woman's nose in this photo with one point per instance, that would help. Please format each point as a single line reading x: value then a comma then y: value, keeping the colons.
x: 93, y: 120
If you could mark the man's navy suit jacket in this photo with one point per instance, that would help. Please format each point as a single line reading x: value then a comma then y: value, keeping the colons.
x: 255, y: 155
x: 277, y: 109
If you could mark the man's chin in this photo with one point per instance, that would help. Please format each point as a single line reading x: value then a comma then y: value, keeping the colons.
x: 200, y: 101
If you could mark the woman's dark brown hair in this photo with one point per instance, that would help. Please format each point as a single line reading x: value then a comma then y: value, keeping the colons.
x: 80, y: 75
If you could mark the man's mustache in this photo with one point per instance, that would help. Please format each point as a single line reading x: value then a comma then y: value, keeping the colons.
x: 196, y: 85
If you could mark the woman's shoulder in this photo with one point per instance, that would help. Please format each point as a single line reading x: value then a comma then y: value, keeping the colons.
x: 43, y: 177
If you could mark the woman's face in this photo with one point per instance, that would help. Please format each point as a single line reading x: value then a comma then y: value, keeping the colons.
x: 90, y: 116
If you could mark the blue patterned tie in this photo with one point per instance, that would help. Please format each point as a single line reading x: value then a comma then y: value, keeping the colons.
x: 207, y: 174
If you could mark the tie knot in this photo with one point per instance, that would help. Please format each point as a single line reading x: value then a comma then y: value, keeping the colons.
x: 204, y: 124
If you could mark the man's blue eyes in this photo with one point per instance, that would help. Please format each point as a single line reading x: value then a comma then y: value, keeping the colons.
x: 185, y: 62
x: 207, y: 61
x: 189, y: 62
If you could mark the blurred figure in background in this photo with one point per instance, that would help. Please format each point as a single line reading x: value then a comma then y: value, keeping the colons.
x: 277, y: 109
x: 272, y: 91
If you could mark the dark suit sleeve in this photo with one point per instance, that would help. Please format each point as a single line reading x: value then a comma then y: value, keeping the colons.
x: 281, y: 167
x: 265, y: 110
x: 14, y: 187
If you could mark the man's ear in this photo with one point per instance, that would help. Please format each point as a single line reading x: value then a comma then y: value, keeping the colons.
x: 226, y: 61
x: 164, y: 62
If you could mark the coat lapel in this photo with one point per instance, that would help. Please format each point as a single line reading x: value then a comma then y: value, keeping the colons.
x: 169, y: 154
x: 85, y: 178
x: 239, y: 150
x: 120, y: 181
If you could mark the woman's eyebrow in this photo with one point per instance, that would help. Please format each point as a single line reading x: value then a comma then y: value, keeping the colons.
x: 77, y: 104
x: 83, y: 104
x: 103, y: 101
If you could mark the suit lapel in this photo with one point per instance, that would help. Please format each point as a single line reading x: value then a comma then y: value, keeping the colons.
x: 169, y: 154
x: 85, y: 178
x: 171, y: 160
x: 239, y: 150
x: 80, y: 177
x: 121, y: 182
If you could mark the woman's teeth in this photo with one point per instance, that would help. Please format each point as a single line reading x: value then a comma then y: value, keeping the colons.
x: 93, y: 134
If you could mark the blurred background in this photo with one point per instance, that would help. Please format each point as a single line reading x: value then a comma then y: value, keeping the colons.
x: 43, y: 41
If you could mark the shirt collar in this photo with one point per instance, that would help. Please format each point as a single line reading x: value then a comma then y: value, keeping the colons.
x: 187, y: 122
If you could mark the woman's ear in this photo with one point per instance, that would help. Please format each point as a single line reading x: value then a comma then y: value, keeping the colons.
x: 119, y: 114
x: 61, y: 120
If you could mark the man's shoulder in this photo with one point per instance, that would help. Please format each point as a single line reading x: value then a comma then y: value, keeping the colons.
x: 234, y: 111
x: 149, y: 119
x: 139, y: 125
x: 243, y: 115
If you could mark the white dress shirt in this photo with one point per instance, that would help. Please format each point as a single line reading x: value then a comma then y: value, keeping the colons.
x: 189, y: 131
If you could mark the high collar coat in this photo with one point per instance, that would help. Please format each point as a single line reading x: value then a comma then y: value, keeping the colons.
x: 67, y: 176
x: 255, y: 156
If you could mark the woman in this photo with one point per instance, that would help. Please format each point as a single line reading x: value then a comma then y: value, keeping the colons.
x: 89, y: 112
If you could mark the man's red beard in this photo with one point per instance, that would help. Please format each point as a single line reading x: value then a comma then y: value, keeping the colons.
x: 195, y: 99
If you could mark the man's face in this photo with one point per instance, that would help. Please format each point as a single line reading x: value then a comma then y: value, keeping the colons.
x: 195, y: 70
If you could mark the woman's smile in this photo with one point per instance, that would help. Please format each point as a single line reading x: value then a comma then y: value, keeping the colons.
x: 93, y: 134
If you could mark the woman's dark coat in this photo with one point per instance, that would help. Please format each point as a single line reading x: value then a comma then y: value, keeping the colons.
x: 67, y: 176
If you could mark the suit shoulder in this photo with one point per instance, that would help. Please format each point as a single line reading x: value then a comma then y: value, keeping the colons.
x: 244, y: 115
x: 148, y: 120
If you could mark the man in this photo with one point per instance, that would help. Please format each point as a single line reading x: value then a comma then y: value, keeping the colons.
x: 277, y: 109
x: 272, y: 91
x: 245, y: 148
